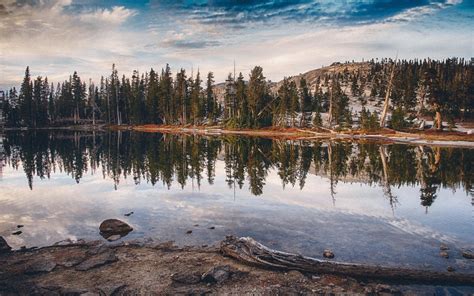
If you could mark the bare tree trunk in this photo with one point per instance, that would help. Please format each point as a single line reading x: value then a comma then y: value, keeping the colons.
x: 249, y: 251
x: 385, y: 180
x: 438, y: 121
x: 331, y: 104
x: 386, y: 104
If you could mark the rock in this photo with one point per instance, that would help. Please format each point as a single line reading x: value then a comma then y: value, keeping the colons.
x: 444, y: 254
x: 450, y: 269
x: 189, y: 232
x: 112, y: 289
x: 468, y: 254
x: 328, y: 254
x: 217, y: 274
x: 212, y: 227
x: 4, y: 247
x: 39, y: 266
x: 112, y: 227
x: 128, y: 214
x: 17, y: 232
x: 443, y: 247
x: 20, y: 226
x: 196, y: 225
x: 186, y: 278
x: 97, y: 260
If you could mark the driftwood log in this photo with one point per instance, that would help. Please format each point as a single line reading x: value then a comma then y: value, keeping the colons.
x: 249, y: 251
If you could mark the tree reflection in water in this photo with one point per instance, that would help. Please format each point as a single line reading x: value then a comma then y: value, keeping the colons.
x: 177, y: 158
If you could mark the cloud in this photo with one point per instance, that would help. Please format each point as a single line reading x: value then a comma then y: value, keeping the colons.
x: 116, y: 15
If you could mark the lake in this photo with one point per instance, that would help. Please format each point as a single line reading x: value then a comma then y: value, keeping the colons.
x: 369, y: 203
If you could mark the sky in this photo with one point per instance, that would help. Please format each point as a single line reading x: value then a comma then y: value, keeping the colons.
x: 57, y: 37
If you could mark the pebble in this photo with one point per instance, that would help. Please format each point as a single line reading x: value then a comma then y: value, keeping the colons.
x: 328, y: 254
x: 468, y: 254
x: 444, y: 254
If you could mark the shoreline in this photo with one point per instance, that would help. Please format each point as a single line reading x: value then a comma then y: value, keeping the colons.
x: 149, y: 267
x: 383, y: 136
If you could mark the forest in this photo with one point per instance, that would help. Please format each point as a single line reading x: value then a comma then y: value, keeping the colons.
x: 442, y: 90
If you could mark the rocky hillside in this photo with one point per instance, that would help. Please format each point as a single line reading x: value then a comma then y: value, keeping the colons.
x: 316, y: 79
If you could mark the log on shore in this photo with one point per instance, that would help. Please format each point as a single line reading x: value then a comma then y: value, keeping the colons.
x: 249, y: 251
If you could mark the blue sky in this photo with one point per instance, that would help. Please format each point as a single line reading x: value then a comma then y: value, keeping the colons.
x: 56, y: 37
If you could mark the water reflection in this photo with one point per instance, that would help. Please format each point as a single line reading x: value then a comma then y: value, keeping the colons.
x: 177, y: 159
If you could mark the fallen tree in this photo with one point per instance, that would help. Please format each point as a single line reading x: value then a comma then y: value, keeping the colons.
x: 249, y: 251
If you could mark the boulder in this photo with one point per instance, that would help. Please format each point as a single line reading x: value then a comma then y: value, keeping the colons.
x: 111, y: 227
x: 4, y: 247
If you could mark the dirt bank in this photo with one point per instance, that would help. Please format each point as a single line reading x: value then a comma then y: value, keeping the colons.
x: 430, y: 137
x: 144, y: 268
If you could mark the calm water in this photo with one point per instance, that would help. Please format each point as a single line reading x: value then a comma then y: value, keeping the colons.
x: 389, y: 204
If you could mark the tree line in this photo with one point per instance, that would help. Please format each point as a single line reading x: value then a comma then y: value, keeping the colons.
x: 441, y: 89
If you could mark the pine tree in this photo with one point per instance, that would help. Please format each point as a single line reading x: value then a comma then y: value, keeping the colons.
x: 26, y: 99
x: 306, y: 103
x: 152, y: 98
x: 211, y: 103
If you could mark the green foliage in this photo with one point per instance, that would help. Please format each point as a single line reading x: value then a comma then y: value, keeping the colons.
x: 397, y: 121
x: 369, y: 121
x: 441, y: 87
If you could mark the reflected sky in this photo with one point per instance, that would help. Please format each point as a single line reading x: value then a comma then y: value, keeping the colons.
x: 357, y: 222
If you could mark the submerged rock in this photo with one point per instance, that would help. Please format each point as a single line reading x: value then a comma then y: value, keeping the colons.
x: 468, y: 254
x: 444, y: 254
x: 112, y: 227
x: 4, y: 247
x: 328, y: 254
x: 443, y: 247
